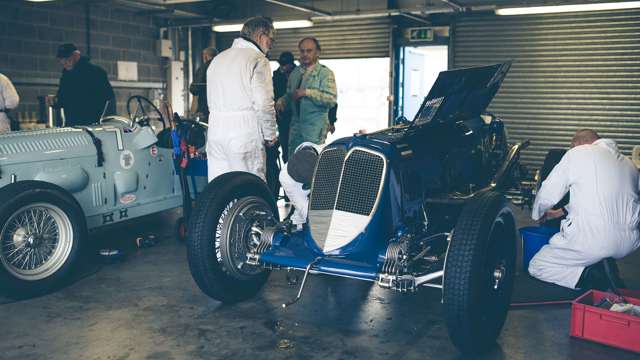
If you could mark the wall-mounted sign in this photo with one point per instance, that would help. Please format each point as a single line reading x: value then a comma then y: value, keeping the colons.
x: 127, y: 70
x: 420, y: 34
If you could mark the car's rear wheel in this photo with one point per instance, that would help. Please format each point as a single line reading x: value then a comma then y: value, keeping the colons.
x: 479, y: 273
x: 41, y: 229
x: 225, y: 225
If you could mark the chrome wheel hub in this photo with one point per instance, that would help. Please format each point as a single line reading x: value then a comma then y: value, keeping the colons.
x: 498, y: 275
x: 240, y: 228
x: 36, y: 241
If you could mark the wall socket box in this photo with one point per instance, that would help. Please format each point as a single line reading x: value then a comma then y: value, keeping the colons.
x: 127, y: 70
x: 164, y: 48
x: 176, y: 86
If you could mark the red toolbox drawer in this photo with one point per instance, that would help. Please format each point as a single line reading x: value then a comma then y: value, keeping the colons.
x: 607, y: 327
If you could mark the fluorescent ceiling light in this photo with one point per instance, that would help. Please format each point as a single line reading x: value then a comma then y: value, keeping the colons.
x: 227, y: 28
x: 289, y: 24
x: 292, y: 24
x: 568, y: 8
x: 39, y: 0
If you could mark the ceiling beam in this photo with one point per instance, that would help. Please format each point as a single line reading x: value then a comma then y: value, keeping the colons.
x: 415, y: 18
x: 299, y: 8
x: 169, y: 2
x: 149, y: 6
x: 173, y: 2
x: 454, y: 5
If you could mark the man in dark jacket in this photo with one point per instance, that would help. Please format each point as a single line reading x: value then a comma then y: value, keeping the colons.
x: 85, y: 92
x: 199, y: 85
x: 280, y: 78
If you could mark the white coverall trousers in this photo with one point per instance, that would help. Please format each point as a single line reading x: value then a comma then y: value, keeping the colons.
x: 5, y: 123
x: 297, y: 195
x: 9, y: 99
x: 568, y: 253
x: 234, y: 143
x: 603, y: 212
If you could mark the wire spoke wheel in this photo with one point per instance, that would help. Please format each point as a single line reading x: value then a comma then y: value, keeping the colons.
x: 238, y: 232
x: 230, y: 216
x: 36, y: 241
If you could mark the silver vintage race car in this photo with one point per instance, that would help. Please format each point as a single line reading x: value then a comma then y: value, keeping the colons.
x: 56, y: 184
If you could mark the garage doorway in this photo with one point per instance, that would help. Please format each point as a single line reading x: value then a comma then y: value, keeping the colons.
x: 419, y: 68
x: 363, y: 91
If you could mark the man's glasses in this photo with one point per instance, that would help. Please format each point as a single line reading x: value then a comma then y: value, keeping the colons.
x: 270, y: 37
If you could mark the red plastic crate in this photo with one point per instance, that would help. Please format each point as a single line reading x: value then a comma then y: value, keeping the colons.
x: 607, y: 327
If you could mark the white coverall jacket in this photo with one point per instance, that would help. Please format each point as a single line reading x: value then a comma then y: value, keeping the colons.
x: 9, y: 99
x: 298, y: 196
x: 602, y: 216
x: 241, y: 110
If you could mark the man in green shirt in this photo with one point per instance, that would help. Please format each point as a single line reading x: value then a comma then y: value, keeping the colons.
x: 311, y: 93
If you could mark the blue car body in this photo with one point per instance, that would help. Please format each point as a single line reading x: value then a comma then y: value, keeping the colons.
x: 418, y: 204
x: 412, y: 165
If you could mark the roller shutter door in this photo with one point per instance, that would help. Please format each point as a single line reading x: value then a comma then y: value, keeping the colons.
x: 347, y: 39
x: 570, y: 71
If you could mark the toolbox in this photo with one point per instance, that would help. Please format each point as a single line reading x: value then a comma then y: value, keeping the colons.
x: 592, y: 323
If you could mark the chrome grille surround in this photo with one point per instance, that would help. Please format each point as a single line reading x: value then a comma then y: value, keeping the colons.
x: 326, y: 179
x: 344, y: 195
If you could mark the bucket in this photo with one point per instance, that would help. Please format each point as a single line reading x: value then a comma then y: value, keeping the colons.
x: 533, y: 239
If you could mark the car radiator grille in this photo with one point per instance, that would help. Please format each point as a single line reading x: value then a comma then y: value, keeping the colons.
x: 344, y: 194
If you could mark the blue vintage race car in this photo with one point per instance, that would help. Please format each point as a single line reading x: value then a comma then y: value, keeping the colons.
x: 416, y: 205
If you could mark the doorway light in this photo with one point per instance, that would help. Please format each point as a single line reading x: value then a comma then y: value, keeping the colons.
x: 568, y: 8
x: 288, y: 24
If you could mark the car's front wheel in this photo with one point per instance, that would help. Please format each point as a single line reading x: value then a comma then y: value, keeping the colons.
x: 41, y: 229
x: 226, y: 224
x: 479, y: 273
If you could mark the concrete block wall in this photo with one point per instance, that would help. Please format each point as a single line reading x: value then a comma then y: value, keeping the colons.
x: 31, y: 32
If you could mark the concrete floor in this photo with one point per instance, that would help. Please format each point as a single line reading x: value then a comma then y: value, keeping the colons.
x: 148, y: 307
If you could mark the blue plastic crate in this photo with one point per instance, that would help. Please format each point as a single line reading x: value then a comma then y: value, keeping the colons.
x: 533, y: 239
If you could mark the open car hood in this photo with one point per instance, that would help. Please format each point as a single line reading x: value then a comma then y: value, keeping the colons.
x: 461, y: 93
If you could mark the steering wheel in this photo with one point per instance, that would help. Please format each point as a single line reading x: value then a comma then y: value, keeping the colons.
x: 145, y: 113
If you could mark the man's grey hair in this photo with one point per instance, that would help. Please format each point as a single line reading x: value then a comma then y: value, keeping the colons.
x: 210, y: 52
x: 255, y: 26
x: 584, y: 137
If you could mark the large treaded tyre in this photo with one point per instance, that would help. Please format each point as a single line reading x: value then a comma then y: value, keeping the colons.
x: 479, y: 273
x: 216, y: 258
x: 42, y: 228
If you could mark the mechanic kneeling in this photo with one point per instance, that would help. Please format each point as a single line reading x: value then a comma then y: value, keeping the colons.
x: 603, y: 211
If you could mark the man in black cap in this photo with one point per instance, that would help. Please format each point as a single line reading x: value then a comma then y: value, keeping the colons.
x: 280, y: 78
x: 85, y: 92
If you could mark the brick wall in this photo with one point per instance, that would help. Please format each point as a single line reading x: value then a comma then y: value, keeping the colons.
x: 30, y: 34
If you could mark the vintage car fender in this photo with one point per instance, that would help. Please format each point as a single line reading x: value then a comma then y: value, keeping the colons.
x: 71, y: 178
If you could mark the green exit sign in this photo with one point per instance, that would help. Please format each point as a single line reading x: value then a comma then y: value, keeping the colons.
x: 420, y: 34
